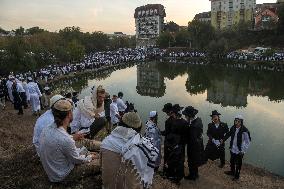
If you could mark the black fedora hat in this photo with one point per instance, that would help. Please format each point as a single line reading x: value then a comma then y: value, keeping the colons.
x: 167, y: 107
x: 176, y: 108
x: 190, y: 111
x: 215, y: 112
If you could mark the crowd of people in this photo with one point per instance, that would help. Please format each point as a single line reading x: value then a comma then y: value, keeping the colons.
x: 255, y: 56
x: 64, y: 141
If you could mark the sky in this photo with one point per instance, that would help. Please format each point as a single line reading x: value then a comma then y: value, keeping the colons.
x: 107, y: 16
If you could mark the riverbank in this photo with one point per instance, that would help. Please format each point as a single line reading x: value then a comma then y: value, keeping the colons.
x: 21, y: 168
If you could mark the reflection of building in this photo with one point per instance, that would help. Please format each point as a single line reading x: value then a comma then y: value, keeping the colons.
x: 227, y: 94
x: 203, y: 17
x: 225, y: 13
x: 149, y: 22
x: 149, y: 81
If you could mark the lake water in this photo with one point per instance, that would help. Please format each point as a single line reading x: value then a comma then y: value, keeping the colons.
x: 257, y: 95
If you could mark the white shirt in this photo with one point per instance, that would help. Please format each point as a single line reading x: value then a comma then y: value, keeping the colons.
x: 216, y: 125
x: 20, y: 87
x: 121, y: 105
x: 43, y: 121
x: 80, y: 120
x: 58, y: 153
x: 114, y: 112
x: 245, y: 142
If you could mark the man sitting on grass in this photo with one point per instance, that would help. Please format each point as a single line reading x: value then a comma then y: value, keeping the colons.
x: 61, y: 159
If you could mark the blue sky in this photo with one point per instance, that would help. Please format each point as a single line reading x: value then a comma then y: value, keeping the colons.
x: 92, y: 15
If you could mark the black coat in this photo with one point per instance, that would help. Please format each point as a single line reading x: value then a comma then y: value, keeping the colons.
x: 168, y: 127
x: 2, y: 90
x: 195, y: 147
x: 179, y: 127
x: 212, y: 151
x: 217, y: 133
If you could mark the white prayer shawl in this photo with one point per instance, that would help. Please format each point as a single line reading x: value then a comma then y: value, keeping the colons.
x: 33, y: 96
x: 135, y: 148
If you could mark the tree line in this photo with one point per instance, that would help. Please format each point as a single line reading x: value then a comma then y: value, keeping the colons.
x: 33, y: 48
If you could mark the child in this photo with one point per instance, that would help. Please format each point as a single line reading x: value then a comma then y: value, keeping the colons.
x: 152, y: 131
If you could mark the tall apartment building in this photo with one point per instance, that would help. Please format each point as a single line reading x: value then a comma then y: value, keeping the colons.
x: 225, y: 13
x: 149, y: 22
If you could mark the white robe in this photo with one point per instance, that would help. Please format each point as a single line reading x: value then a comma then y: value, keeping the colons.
x: 33, y: 96
x: 9, y: 87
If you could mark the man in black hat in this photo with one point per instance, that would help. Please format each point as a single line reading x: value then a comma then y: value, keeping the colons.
x: 215, y: 147
x: 176, y: 146
x: 168, y: 126
x: 195, y: 148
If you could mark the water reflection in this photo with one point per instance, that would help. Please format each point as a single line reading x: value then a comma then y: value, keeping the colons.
x: 224, y: 86
x: 150, y: 82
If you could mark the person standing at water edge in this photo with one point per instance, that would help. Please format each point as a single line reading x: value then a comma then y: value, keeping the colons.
x: 120, y: 104
x: 176, y: 146
x: 168, y: 125
x: 34, y: 95
x: 216, y: 131
x: 195, y: 148
x: 58, y: 154
x: 239, y: 144
x: 114, y: 114
x: 153, y: 132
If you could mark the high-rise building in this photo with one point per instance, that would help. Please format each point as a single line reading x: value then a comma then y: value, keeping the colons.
x: 203, y: 17
x: 149, y: 22
x: 225, y: 13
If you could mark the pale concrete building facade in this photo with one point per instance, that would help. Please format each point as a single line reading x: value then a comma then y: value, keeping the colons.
x: 226, y: 13
x: 149, y: 23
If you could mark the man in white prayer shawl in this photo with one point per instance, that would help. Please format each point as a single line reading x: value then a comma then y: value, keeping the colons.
x: 33, y: 96
x: 89, y: 115
x: 128, y: 159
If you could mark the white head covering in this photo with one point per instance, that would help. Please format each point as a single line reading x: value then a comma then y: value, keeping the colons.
x: 153, y: 114
x: 54, y: 99
x: 239, y: 117
x: 46, y: 88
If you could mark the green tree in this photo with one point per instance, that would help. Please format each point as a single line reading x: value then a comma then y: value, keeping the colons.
x: 217, y: 49
x: 20, y: 31
x: 165, y: 40
x: 183, y: 38
x: 171, y: 27
x: 280, y: 12
x: 75, y: 50
x: 201, y: 33
x: 34, y: 30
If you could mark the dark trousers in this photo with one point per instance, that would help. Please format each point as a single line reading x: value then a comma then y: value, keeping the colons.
x: 24, y: 99
x: 236, y: 162
x: 193, y: 169
x: 222, y: 154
